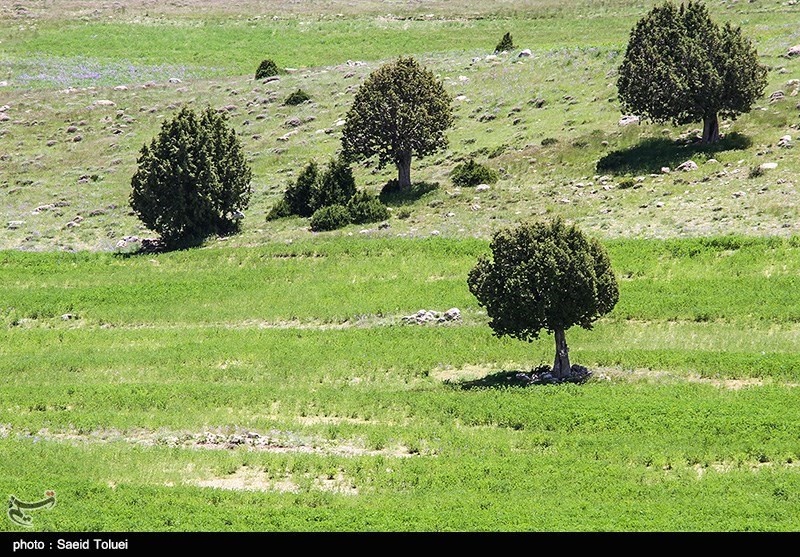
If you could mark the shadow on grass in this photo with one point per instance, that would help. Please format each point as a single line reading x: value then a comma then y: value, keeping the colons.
x: 391, y: 194
x: 492, y: 381
x: 649, y: 156
x: 153, y: 246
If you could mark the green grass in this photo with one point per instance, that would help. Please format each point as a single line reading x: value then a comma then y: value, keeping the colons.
x: 303, y: 343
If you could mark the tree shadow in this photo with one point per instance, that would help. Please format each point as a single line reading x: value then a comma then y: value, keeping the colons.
x: 391, y: 194
x: 154, y: 246
x: 650, y: 155
x: 492, y: 381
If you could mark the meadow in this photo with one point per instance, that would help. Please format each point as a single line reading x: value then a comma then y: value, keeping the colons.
x: 267, y: 381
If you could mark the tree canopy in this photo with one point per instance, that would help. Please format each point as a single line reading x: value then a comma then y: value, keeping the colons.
x: 681, y: 67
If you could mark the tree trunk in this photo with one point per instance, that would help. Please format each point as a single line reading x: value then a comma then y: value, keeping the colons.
x: 404, y: 171
x: 710, y: 129
x: 561, y: 367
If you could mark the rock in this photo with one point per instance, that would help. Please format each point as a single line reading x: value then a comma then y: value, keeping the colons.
x: 237, y: 215
x: 482, y: 187
x: 665, y: 170
x: 712, y: 161
x: 628, y: 120
x: 768, y: 166
x: 270, y: 79
x: 383, y: 226
x: 794, y: 50
x: 738, y: 194
x: 120, y: 88
x: 452, y: 314
x: 104, y: 102
x: 435, y: 232
x: 524, y: 53
x: 15, y: 224
x: 72, y: 129
x: 286, y: 136
x: 293, y: 122
x: 538, y: 102
x: 51, y: 142
x: 77, y: 138
x: 450, y: 214
x: 785, y: 141
x: 4, y: 117
x: 660, y: 204
x: 3, y: 83
x: 793, y: 83
x: 461, y: 98
x: 340, y: 123
x: 67, y: 317
x: 777, y: 96
x: 486, y: 117
x: 687, y: 166
x: 491, y: 57
x: 175, y: 80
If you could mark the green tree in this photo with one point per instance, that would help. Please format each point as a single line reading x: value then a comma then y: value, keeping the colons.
x: 682, y: 67
x: 300, y: 195
x: 336, y: 185
x: 401, y: 111
x: 506, y: 43
x: 544, y: 276
x: 266, y: 69
x: 193, y: 180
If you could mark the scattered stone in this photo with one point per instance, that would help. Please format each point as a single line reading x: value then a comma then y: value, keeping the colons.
x: 687, y: 166
x: 67, y: 317
x: 628, y: 120
x: 175, y: 80
x: 738, y: 194
x: 435, y: 232
x: 665, y: 170
x: 271, y: 79
x: 525, y: 53
x: 15, y: 224
x: 104, y: 102
x: 785, y: 141
x: 475, y: 207
x: 383, y: 226
x: 429, y: 316
x: 348, y: 75
x: 794, y: 50
x: 51, y: 142
x: 543, y: 376
x: 482, y: 187
x: 486, y: 117
x: 461, y: 98
x: 712, y: 161
x: 538, y: 102
x: 286, y: 136
x: 4, y: 117
x: 121, y: 88
x: 340, y: 123
x: 293, y: 122
x: 491, y: 57
x: 452, y: 314
x: 777, y: 96
x: 77, y: 138
x: 72, y: 129
x: 768, y: 166
x: 660, y: 204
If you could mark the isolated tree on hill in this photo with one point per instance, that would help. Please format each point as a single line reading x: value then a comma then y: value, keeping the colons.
x: 681, y: 67
x: 401, y: 111
x: 544, y: 276
x: 193, y: 180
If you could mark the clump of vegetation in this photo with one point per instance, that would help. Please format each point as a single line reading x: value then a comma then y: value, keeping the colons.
x: 298, y: 97
x: 497, y: 151
x: 505, y: 44
x: 280, y: 210
x: 549, y: 141
x: 365, y: 208
x: 401, y: 111
x: 544, y: 276
x: 627, y: 184
x: 756, y: 172
x: 682, y: 67
x: 266, y: 69
x: 472, y: 173
x: 336, y: 186
x: 300, y: 195
x: 330, y: 218
x: 193, y: 180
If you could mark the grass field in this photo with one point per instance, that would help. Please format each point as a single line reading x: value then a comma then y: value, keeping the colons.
x: 266, y: 381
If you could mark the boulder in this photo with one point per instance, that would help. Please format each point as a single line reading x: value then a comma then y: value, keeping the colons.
x: 794, y: 50
x: 687, y: 166
x: 785, y: 141
x: 452, y: 314
x: 482, y: 187
x: 777, y: 96
x: 768, y: 166
x: 526, y: 53
x: 628, y: 120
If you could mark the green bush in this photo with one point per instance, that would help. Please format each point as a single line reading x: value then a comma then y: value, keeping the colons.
x: 472, y: 173
x: 336, y: 186
x: 266, y: 69
x: 506, y: 43
x: 299, y: 196
x: 193, y: 180
x: 549, y: 141
x: 298, y: 97
x: 330, y: 218
x: 280, y: 210
x: 365, y: 208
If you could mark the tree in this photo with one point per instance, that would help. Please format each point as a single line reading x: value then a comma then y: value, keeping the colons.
x: 682, y: 67
x: 193, y: 180
x: 544, y: 276
x: 506, y: 43
x: 266, y: 69
x: 314, y: 189
x: 401, y: 111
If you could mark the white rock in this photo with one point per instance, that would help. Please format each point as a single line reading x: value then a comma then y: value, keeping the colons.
x: 3, y: 83
x: 452, y: 314
x: 738, y: 194
x: 435, y: 232
x: 340, y: 123
x: 461, y: 98
x: 769, y: 166
x: 794, y: 50
x: 491, y: 57
x: 525, y: 53
x: 121, y: 88
x: 463, y: 78
x: 483, y: 187
x: 175, y: 80
x: 712, y: 161
x: 628, y: 120
x: 105, y: 102
x: 687, y: 166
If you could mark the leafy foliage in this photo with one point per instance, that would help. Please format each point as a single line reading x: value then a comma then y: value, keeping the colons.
x: 300, y: 195
x: 280, y: 210
x: 543, y: 276
x: 506, y: 43
x: 472, y: 173
x: 298, y: 97
x: 682, y: 67
x: 267, y: 68
x: 192, y: 180
x: 330, y: 218
x: 336, y: 185
x: 399, y: 112
x: 365, y: 208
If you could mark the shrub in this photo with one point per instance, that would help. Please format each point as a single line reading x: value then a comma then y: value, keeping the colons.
x: 756, y: 171
x: 330, y: 218
x: 280, y: 210
x: 365, y: 208
x: 299, y: 195
x: 471, y: 173
x: 627, y: 184
x: 506, y: 43
x: 549, y: 141
x: 298, y: 97
x: 336, y: 185
x: 267, y: 68
x: 193, y: 180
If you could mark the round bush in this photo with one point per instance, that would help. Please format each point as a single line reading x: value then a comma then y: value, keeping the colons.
x: 365, y: 208
x: 298, y: 97
x: 330, y: 218
x: 267, y: 68
x: 193, y: 180
x: 280, y: 210
x: 472, y: 173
